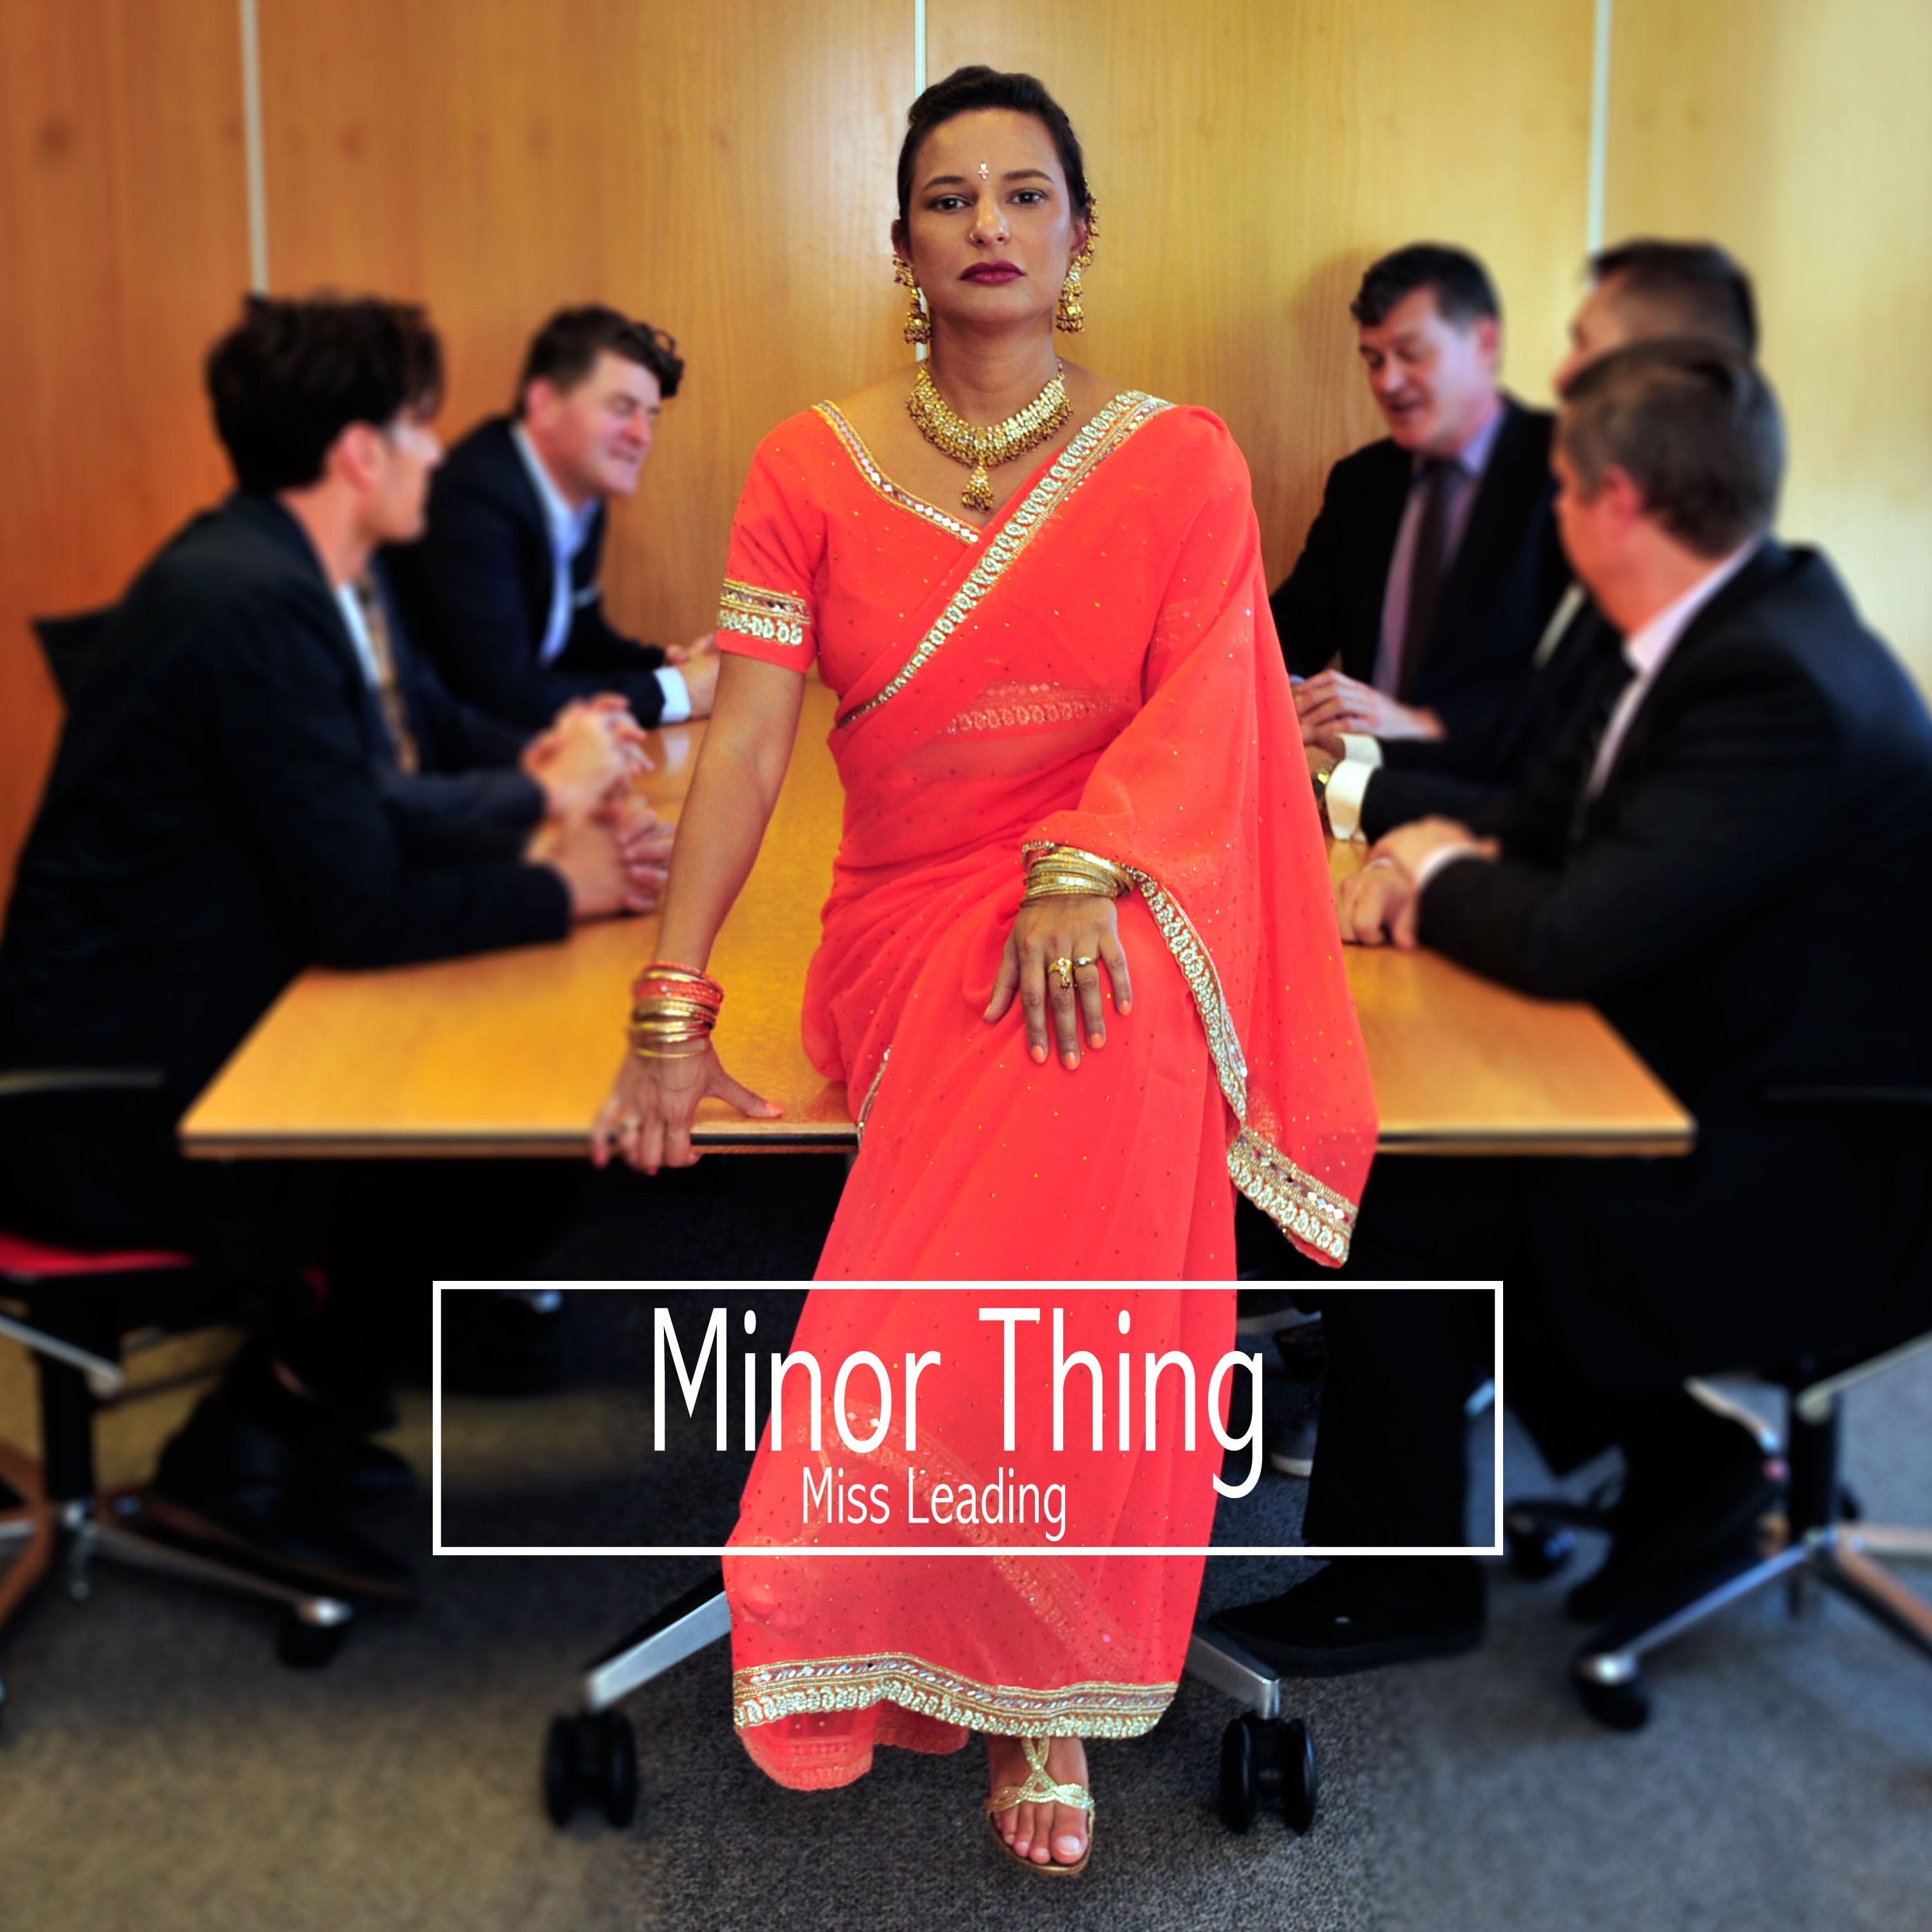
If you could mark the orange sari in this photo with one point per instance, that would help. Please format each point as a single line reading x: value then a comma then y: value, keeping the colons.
x: 1097, y: 669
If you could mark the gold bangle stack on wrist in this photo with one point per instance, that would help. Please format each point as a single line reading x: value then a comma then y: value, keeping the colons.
x: 1065, y: 872
x: 672, y: 1009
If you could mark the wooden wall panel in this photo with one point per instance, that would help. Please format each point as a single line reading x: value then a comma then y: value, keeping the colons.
x: 1252, y: 157
x: 123, y: 251
x: 725, y: 173
x: 1797, y: 134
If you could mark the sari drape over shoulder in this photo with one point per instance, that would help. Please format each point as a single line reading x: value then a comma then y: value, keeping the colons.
x: 1097, y: 669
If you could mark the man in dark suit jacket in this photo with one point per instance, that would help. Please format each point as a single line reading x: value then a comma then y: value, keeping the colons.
x: 215, y: 823
x: 1732, y: 858
x: 1640, y: 291
x: 1433, y: 566
x: 503, y: 593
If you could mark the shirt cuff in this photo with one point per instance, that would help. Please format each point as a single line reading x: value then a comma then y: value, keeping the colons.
x: 1443, y: 855
x: 1359, y: 748
x: 676, y: 696
x: 1348, y: 784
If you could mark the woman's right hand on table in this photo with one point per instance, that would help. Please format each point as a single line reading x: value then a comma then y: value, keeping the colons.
x: 647, y: 1118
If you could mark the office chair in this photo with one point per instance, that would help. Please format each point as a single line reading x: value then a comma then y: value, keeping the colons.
x: 71, y: 1307
x: 1824, y: 1543
x: 72, y: 647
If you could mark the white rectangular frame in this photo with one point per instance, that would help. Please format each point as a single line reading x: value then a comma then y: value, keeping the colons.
x: 1035, y: 1288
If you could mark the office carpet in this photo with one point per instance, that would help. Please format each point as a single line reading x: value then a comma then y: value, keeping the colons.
x: 159, y: 1770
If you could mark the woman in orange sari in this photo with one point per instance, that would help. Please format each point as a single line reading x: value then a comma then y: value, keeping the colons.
x: 1079, y: 969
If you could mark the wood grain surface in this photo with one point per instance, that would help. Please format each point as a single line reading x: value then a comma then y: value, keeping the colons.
x: 510, y: 1053
x: 123, y: 252
x: 1795, y: 133
x: 1252, y: 158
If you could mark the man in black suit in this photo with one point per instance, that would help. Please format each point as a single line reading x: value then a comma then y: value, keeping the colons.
x: 503, y: 593
x: 1639, y: 291
x: 1433, y: 566
x: 1732, y: 856
x: 214, y: 824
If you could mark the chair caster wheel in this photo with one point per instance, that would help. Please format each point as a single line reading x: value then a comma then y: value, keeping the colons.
x: 590, y: 1757
x: 1267, y: 1761
x: 302, y: 1645
x: 1617, y: 1707
x: 1536, y: 1549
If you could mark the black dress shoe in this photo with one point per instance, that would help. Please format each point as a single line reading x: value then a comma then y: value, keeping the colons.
x: 1693, y: 1497
x: 1363, y: 1612
x: 327, y: 1435
x: 228, y: 1482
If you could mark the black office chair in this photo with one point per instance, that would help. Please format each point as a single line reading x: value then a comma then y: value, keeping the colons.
x: 71, y: 1308
x: 1823, y: 1543
x: 72, y: 647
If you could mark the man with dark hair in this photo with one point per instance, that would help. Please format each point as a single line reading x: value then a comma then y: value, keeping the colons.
x: 1643, y: 289
x: 1433, y: 566
x: 1752, y: 776
x: 503, y: 592
x: 1640, y: 291
x: 214, y: 824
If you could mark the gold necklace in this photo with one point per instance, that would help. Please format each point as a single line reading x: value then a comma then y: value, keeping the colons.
x: 951, y: 434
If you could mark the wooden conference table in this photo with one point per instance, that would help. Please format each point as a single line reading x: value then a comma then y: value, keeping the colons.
x: 510, y: 1054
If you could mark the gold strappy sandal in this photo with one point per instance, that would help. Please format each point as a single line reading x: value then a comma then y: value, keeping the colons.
x: 1039, y: 1789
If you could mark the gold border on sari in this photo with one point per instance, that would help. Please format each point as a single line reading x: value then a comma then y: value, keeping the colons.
x: 1291, y: 1197
x: 765, y: 1692
x: 1071, y: 467
x: 883, y: 484
x: 749, y: 611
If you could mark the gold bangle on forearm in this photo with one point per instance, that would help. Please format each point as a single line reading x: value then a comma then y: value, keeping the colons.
x: 673, y: 1010
x: 1064, y: 871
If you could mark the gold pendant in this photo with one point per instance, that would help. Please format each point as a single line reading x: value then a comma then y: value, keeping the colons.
x: 978, y: 493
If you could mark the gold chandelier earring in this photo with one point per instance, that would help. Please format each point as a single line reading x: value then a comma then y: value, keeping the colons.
x: 918, y: 326
x: 1069, y: 317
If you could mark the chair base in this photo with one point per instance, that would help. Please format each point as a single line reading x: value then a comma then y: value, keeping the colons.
x: 83, y: 1533
x: 1844, y: 1557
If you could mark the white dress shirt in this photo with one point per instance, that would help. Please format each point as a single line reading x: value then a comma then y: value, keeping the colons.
x: 569, y: 532
x: 358, y: 628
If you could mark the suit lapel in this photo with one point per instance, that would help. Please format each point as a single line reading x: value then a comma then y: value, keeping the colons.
x: 535, y: 559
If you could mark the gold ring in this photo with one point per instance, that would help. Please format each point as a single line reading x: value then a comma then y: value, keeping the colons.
x: 629, y: 1123
x: 1084, y: 961
x: 1062, y: 970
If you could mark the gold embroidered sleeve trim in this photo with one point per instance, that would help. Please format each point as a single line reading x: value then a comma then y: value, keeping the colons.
x: 777, y: 616
x: 1293, y: 1198
x: 1078, y: 461
x: 763, y: 1693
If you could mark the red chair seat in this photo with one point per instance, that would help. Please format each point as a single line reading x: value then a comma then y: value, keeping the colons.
x: 24, y: 1261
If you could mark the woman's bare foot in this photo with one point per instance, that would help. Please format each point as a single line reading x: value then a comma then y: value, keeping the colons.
x: 1046, y: 1834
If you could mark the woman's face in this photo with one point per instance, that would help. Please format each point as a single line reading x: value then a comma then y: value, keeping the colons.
x: 991, y: 228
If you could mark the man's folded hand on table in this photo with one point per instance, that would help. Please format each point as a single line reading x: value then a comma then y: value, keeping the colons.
x: 1381, y: 904
x: 591, y: 751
